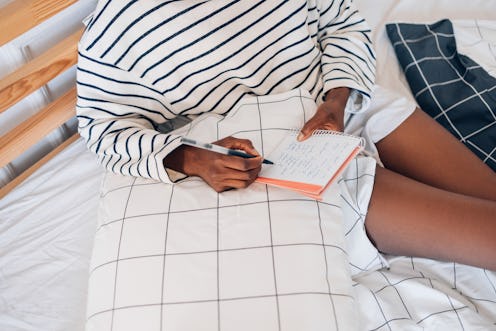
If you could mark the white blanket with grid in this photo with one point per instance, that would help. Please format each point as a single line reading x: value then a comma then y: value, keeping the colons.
x: 182, y: 257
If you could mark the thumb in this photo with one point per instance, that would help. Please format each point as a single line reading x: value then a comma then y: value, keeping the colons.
x: 241, y: 144
x: 307, y: 129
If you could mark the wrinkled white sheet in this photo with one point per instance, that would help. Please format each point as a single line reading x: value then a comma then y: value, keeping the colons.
x: 46, y: 235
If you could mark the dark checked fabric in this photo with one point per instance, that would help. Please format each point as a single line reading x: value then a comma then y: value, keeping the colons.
x: 449, y: 86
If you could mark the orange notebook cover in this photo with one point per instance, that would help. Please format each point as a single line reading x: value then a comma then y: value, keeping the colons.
x: 310, y: 166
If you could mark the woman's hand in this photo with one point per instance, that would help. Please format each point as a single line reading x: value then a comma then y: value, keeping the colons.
x: 221, y: 172
x: 329, y: 115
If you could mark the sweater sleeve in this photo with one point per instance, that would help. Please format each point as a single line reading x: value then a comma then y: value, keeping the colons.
x: 348, y: 58
x: 118, y: 114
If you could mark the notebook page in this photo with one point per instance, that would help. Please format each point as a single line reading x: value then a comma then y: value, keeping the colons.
x: 313, y: 161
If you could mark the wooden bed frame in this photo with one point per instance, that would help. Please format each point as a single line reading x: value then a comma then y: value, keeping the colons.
x: 17, y: 18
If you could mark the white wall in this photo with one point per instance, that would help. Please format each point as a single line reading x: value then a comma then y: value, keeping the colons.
x: 19, y: 51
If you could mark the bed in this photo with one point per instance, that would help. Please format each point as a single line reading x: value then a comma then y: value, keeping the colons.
x: 49, y: 220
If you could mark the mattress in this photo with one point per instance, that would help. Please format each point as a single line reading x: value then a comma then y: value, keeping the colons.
x: 47, y: 228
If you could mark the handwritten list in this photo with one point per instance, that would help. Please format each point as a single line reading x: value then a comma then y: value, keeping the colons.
x: 313, y: 161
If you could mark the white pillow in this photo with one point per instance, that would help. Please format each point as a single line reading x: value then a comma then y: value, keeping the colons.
x: 187, y: 258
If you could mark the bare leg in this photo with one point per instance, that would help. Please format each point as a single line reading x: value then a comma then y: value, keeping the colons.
x: 422, y: 149
x: 410, y: 218
x: 446, y: 209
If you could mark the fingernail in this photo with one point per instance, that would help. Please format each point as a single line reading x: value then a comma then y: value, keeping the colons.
x: 300, y: 137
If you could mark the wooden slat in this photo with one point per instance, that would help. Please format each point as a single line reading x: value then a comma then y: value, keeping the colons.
x: 16, y: 18
x: 20, y: 16
x: 19, y: 179
x: 28, y: 133
x: 39, y: 71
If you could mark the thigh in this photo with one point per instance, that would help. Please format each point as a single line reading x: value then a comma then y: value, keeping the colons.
x: 422, y: 149
x: 406, y: 217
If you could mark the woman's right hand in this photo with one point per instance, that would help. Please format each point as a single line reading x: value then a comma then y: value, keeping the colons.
x: 221, y: 172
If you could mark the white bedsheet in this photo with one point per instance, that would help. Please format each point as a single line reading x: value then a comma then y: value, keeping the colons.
x: 46, y: 235
x: 47, y: 224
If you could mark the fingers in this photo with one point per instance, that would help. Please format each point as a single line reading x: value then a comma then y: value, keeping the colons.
x: 232, y: 178
x: 224, y: 172
x: 236, y: 143
x: 240, y: 163
x: 319, y: 121
x: 309, y: 127
x: 327, y: 117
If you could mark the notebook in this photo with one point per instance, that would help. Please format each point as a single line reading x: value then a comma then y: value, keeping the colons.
x: 310, y: 166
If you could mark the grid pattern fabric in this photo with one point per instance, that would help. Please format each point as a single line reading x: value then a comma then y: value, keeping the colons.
x: 449, y: 86
x: 183, y: 257
x: 424, y: 294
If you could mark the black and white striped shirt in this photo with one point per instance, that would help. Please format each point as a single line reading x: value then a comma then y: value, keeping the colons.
x: 142, y: 63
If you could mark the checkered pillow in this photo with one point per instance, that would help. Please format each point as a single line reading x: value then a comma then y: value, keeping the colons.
x: 183, y: 257
x: 449, y: 86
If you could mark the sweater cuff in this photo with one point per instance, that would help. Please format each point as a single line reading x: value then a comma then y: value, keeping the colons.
x: 166, y: 175
x: 357, y: 102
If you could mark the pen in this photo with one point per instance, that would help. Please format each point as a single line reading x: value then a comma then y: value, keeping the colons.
x: 219, y: 149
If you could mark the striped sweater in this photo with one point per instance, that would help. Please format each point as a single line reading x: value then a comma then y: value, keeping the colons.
x: 143, y: 63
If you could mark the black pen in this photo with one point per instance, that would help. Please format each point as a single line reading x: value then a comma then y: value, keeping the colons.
x: 219, y: 149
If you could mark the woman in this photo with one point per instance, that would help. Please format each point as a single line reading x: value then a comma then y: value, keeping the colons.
x: 142, y: 64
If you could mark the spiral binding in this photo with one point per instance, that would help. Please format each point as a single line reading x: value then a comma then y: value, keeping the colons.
x: 319, y: 133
